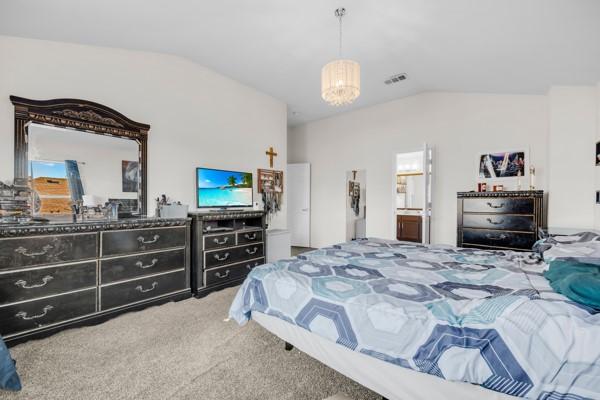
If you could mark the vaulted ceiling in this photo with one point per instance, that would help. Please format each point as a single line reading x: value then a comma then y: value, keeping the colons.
x: 279, y: 46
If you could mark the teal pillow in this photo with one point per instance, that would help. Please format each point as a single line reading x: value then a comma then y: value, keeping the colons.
x: 578, y: 281
x: 8, y: 374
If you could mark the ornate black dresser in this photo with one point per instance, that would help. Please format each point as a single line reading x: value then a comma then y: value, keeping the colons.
x: 53, y: 276
x: 226, y: 246
x: 500, y: 220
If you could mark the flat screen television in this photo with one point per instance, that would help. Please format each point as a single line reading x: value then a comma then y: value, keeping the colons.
x: 222, y: 189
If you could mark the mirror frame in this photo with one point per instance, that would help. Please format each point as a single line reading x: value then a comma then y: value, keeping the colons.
x: 79, y: 115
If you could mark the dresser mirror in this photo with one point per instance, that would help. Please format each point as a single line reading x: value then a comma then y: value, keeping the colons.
x: 67, y: 166
x: 78, y: 155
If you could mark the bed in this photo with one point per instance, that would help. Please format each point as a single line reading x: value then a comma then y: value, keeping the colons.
x: 420, y: 322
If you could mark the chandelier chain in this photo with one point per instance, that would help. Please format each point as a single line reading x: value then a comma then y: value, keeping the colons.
x: 341, y: 15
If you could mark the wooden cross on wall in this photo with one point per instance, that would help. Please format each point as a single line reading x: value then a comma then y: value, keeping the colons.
x: 271, y: 153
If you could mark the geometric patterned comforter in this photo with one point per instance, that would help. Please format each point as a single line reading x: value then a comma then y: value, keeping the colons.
x: 484, y: 317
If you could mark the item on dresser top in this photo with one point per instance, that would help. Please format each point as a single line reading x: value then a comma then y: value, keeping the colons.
x: 166, y: 209
x: 216, y: 188
x: 55, y: 275
x: 226, y: 245
x: 15, y: 201
x: 500, y: 220
x: 112, y: 210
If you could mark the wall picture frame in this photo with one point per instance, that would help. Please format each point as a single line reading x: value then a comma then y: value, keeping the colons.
x: 504, y: 164
x: 503, y: 167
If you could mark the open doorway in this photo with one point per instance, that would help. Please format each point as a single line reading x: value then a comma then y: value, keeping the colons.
x: 413, y: 196
x: 356, y: 204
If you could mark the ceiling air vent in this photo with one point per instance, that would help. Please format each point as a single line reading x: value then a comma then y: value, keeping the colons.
x: 395, y: 79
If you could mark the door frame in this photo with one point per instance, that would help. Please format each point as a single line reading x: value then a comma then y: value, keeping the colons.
x: 424, y: 147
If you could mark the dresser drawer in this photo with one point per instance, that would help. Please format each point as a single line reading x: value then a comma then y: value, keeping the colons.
x: 122, y: 268
x: 47, y: 281
x: 219, y: 241
x: 232, y: 255
x: 124, y: 242
x: 249, y: 237
x: 515, y: 240
x: 230, y: 273
x: 38, y: 313
x: 499, y: 205
x: 121, y: 294
x: 43, y: 250
x: 498, y: 221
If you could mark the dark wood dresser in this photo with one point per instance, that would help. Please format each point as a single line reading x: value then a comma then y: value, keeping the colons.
x: 54, y: 276
x: 500, y: 220
x: 226, y: 246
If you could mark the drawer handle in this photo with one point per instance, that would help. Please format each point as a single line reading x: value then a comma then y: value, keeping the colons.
x: 23, y: 314
x: 216, y: 240
x: 493, y: 206
x: 23, y: 251
x: 142, y: 266
x: 252, y: 251
x: 250, y: 237
x: 142, y: 240
x: 24, y: 285
x: 142, y: 290
x: 492, y: 237
x: 494, y: 222
x: 225, y: 257
x: 225, y: 275
x: 250, y: 266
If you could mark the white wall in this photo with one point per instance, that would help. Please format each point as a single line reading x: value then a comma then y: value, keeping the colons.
x: 198, y: 117
x: 459, y: 126
x: 572, y: 139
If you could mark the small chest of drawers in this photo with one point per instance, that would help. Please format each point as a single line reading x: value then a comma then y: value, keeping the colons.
x: 226, y: 246
x: 500, y: 220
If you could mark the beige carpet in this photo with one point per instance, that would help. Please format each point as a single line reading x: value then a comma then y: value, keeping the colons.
x: 175, y: 351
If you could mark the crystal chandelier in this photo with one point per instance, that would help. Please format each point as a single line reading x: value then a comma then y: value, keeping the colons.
x: 340, y: 79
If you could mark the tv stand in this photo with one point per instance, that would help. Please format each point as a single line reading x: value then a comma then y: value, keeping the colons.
x: 226, y: 246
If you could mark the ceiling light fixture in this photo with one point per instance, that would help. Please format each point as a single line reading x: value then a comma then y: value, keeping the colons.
x: 340, y: 79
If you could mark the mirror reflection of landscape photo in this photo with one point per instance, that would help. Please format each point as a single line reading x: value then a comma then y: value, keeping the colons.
x: 502, y: 165
x: 217, y: 188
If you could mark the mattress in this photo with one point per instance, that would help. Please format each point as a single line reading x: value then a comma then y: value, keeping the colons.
x: 465, y: 315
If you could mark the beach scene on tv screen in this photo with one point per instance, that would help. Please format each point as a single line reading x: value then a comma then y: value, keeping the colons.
x: 224, y: 188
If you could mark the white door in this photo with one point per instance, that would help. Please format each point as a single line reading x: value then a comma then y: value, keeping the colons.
x: 427, y: 174
x: 298, y: 183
